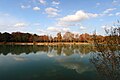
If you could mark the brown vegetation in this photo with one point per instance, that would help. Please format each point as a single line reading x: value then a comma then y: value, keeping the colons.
x: 34, y: 38
x: 107, y: 57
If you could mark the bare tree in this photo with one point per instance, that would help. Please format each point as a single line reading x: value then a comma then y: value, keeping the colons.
x: 107, y: 57
x: 68, y: 36
x: 59, y: 37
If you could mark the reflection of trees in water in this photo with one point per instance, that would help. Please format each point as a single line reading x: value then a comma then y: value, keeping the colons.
x: 107, y: 58
x: 68, y: 50
x: 86, y: 49
x: 58, y: 49
x: 19, y: 49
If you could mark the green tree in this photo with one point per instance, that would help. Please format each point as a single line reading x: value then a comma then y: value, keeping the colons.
x: 6, y: 37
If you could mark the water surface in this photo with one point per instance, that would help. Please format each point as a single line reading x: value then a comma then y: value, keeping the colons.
x: 47, y: 63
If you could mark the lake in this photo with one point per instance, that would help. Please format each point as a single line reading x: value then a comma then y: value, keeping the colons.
x: 63, y: 62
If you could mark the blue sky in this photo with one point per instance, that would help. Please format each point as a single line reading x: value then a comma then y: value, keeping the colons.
x: 52, y: 16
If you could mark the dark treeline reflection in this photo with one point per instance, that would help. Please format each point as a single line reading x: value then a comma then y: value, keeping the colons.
x: 59, y: 49
x: 19, y: 49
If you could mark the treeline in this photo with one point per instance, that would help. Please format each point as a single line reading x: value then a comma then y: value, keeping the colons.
x: 27, y: 37
x: 16, y: 37
x: 67, y: 37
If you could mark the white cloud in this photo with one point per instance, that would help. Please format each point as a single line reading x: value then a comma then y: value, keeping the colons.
x: 42, y: 2
x: 91, y: 15
x: 37, y: 24
x: 106, y: 27
x: 55, y: 2
x: 36, y: 8
x: 78, y: 16
x: 53, y: 29
x: 52, y: 12
x: 66, y: 24
x: 72, y: 20
x: 9, y: 23
x: 110, y: 14
x: 97, y: 4
x: 116, y: 2
x: 25, y: 6
x: 82, y: 28
x: 103, y: 27
x: 65, y: 29
x: 56, y: 29
x: 63, y: 24
x: 117, y: 14
x: 20, y: 24
x: 109, y: 10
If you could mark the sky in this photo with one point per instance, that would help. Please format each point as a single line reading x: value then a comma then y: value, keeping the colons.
x: 48, y: 17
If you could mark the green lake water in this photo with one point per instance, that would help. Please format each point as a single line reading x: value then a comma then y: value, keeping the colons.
x: 47, y: 63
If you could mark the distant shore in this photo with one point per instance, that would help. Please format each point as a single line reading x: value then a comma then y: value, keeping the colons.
x: 42, y: 43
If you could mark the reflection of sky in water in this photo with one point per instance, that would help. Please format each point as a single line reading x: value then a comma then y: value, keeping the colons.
x: 46, y: 66
x: 76, y: 62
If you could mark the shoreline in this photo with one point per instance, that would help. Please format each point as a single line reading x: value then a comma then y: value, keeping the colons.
x: 43, y: 43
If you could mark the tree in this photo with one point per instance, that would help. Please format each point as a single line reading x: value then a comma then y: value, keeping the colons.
x: 107, y: 60
x: 6, y: 37
x: 68, y: 36
x: 0, y: 37
x: 59, y: 37
x: 21, y: 37
x: 85, y: 37
x: 50, y: 39
x: 77, y: 37
x: 43, y: 38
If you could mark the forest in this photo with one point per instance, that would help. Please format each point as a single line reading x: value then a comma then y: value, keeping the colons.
x: 28, y: 37
x: 67, y: 37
